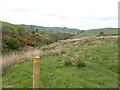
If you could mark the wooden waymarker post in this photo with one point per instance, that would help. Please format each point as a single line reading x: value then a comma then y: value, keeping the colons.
x: 36, y: 72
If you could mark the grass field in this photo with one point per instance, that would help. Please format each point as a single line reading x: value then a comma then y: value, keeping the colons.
x: 106, y: 31
x: 89, y: 63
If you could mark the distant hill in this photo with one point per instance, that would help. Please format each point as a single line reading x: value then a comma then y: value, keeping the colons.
x: 95, y: 32
x: 55, y: 29
x: 91, y: 32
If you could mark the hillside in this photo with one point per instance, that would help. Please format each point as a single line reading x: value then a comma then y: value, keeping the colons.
x: 92, y: 32
x: 55, y: 29
x: 16, y: 37
x: 95, y: 32
x: 73, y: 63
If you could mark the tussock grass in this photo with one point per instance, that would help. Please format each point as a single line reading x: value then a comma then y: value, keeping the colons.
x: 68, y: 63
x: 16, y: 58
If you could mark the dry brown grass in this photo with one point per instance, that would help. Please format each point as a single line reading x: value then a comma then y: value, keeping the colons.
x: 16, y: 58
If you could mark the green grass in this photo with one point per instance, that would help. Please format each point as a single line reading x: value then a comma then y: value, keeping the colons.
x: 21, y: 76
x: 100, y: 70
x: 95, y: 32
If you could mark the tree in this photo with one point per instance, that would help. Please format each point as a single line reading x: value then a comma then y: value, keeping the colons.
x: 81, y: 32
x: 101, y: 33
x: 36, y: 30
x: 33, y: 32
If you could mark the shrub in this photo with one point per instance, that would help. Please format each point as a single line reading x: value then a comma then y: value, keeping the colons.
x: 21, y: 31
x: 47, y: 41
x: 12, y: 43
x: 68, y: 63
x: 80, y: 63
x: 63, y: 52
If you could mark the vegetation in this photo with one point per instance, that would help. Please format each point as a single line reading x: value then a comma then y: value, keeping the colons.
x: 68, y: 63
x: 91, y: 63
x: 56, y: 29
x: 16, y: 58
x: 15, y: 37
x: 96, y: 32
x: 101, y: 33
x: 12, y: 43
x: 84, y: 62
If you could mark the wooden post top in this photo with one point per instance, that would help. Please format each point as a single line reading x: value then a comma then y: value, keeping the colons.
x: 36, y: 60
x: 37, y: 57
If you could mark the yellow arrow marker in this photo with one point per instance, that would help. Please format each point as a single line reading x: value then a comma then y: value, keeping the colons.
x: 38, y: 62
x: 35, y: 61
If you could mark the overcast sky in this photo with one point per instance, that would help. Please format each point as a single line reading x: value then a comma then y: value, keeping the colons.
x: 80, y: 14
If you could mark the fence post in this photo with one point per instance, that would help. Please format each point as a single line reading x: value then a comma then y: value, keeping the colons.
x: 36, y: 72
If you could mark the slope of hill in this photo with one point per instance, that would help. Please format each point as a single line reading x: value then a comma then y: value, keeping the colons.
x: 73, y: 63
x: 55, y: 29
x: 31, y: 35
x: 95, y: 32
x: 15, y: 37
x: 92, y: 32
